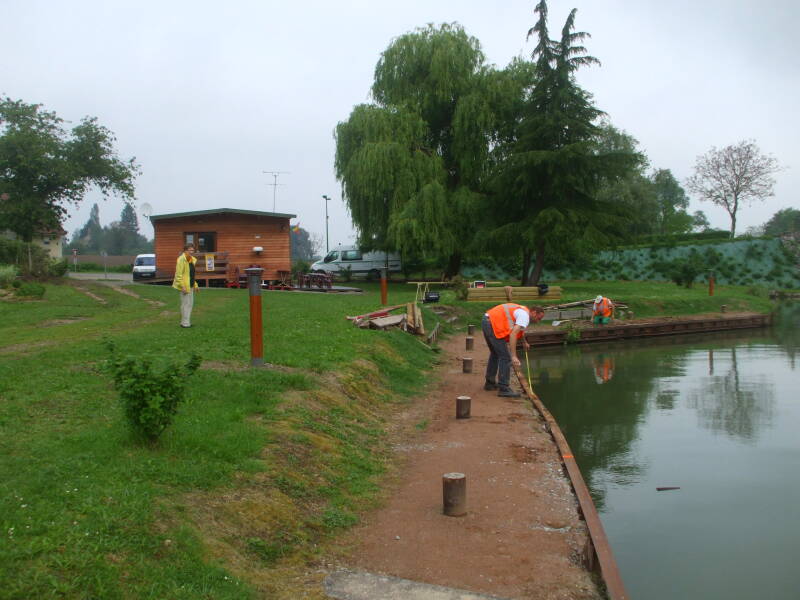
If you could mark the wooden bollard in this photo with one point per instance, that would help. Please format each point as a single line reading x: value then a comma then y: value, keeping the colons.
x: 463, y: 404
x: 467, y: 367
x: 470, y: 329
x: 454, y: 494
x: 723, y: 308
x: 470, y: 342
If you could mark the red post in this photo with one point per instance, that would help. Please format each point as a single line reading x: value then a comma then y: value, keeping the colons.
x: 384, y: 288
x: 711, y: 285
x: 256, y: 327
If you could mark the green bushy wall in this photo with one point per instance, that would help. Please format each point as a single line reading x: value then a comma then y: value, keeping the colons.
x: 763, y: 262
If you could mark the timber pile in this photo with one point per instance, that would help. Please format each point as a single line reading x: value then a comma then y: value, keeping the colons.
x: 410, y: 320
x: 512, y: 294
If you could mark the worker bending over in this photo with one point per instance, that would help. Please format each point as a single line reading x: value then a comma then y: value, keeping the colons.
x: 502, y: 327
x: 602, y: 310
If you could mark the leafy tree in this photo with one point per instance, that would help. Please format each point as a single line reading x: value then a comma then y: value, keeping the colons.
x: 411, y: 163
x: 546, y: 185
x: 303, y: 246
x: 43, y: 169
x: 700, y: 221
x: 672, y: 201
x: 119, y: 238
x: 786, y: 220
x: 734, y: 175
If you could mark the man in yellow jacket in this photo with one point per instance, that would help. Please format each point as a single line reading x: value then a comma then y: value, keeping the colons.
x: 185, y: 283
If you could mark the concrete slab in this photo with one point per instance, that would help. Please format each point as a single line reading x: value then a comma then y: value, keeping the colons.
x: 355, y: 585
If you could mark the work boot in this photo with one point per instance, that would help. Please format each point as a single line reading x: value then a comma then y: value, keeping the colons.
x: 489, y: 386
x: 508, y: 393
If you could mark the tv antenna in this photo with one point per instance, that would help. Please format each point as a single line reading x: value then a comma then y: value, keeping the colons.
x: 275, y: 183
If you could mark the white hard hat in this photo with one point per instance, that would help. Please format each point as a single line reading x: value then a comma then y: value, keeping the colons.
x: 598, y: 299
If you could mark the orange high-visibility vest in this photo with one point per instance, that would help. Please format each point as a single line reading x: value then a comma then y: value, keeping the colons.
x: 603, y: 308
x: 502, y: 319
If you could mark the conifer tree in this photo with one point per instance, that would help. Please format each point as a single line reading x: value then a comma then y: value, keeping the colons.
x: 545, y: 186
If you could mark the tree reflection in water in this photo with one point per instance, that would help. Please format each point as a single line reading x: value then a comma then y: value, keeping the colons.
x: 602, y: 420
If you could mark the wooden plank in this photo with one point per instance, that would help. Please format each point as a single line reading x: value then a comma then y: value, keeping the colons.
x: 384, y: 322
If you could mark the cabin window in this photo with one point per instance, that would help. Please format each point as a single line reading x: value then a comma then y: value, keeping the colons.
x: 333, y: 255
x: 351, y: 255
x: 203, y: 241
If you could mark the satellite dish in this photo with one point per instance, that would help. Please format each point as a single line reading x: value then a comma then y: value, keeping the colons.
x: 146, y: 210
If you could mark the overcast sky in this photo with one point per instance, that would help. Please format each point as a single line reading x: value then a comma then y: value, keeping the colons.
x: 209, y: 95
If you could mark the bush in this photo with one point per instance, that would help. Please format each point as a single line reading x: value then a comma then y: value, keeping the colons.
x: 150, y: 398
x: 30, y: 289
x: 684, y: 272
x: 31, y: 259
x: 58, y: 268
x: 300, y: 267
x: 8, y: 273
x: 459, y: 286
x: 346, y: 273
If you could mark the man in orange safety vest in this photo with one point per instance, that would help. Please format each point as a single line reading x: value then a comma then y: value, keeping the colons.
x: 503, y: 326
x: 602, y: 309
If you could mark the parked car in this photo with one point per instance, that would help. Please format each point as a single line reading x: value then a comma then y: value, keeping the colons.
x: 361, y: 264
x: 144, y: 266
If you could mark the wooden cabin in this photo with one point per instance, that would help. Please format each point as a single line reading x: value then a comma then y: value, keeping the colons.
x: 226, y: 241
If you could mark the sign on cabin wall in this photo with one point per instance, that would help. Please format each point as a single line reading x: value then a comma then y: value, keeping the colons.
x: 209, y: 262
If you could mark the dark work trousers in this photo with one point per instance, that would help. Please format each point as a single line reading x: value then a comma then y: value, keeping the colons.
x: 498, y: 369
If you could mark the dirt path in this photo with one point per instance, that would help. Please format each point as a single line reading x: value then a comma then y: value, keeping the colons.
x: 522, y: 536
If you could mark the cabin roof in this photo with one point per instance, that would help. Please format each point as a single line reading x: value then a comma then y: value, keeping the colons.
x: 216, y: 211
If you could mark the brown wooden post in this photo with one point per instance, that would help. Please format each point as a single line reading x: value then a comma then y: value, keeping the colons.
x: 463, y: 404
x: 467, y: 365
x: 256, y: 326
x: 470, y: 329
x: 384, y: 288
x: 454, y: 494
x: 711, y: 284
x: 470, y: 342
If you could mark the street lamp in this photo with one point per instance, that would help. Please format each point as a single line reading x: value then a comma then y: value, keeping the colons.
x: 326, y: 223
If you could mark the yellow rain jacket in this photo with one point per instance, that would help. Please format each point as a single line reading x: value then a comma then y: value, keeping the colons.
x: 181, y: 281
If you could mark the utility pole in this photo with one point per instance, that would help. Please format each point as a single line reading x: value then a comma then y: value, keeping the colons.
x: 275, y: 183
x: 327, y: 249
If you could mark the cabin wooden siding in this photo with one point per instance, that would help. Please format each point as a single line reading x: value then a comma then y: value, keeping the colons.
x: 235, y: 234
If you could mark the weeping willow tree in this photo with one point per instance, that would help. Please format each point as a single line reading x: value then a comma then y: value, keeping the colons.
x: 546, y: 182
x: 412, y: 163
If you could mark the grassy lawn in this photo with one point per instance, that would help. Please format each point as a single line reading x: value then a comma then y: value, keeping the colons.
x: 261, y: 467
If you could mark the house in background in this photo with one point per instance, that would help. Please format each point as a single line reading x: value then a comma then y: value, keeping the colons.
x: 226, y: 241
x: 51, y: 241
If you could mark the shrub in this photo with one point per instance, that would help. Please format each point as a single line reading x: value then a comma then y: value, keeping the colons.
x: 684, y: 272
x: 30, y: 289
x: 300, y: 267
x: 459, y: 286
x: 58, y: 268
x: 346, y: 273
x: 150, y: 398
x: 8, y: 273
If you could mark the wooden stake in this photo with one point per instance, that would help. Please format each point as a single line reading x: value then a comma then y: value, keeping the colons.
x: 470, y: 342
x: 454, y: 494
x: 463, y: 404
x: 467, y: 365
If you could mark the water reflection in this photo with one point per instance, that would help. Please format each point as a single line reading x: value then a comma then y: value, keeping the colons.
x: 716, y: 414
x: 725, y: 404
x: 601, y: 394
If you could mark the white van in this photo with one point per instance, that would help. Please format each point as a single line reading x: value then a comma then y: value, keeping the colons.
x: 144, y: 266
x: 361, y: 264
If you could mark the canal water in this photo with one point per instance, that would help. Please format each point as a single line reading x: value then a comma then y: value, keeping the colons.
x: 716, y: 415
